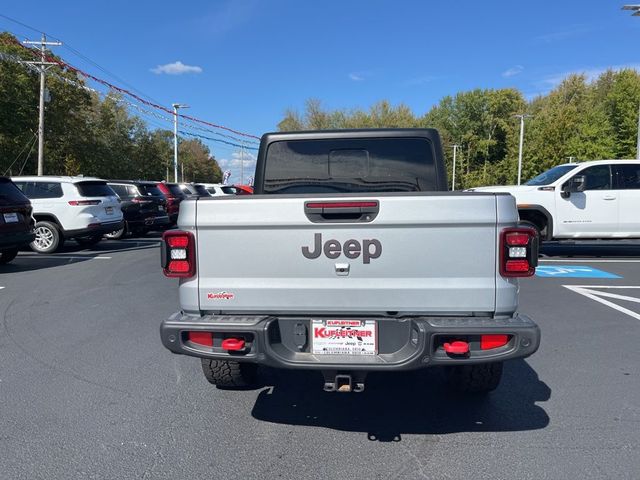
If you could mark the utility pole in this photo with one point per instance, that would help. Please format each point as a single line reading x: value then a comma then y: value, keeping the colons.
x: 638, y: 142
x: 241, y: 163
x: 453, y: 176
x: 176, y: 106
x: 521, y: 117
x: 43, y: 66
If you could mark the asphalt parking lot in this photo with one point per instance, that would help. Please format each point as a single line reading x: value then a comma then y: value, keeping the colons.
x: 87, y: 390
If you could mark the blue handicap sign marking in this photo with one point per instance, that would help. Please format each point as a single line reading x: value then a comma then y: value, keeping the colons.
x: 572, y: 271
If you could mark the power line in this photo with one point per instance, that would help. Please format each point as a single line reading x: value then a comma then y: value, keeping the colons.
x: 124, y: 91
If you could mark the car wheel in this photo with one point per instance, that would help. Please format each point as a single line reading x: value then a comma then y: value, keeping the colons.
x: 229, y: 374
x: 88, y: 241
x: 479, y: 378
x: 7, y: 255
x: 48, y: 238
x: 117, y: 234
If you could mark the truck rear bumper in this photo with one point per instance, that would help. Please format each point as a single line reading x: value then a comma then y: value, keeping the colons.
x: 403, y: 343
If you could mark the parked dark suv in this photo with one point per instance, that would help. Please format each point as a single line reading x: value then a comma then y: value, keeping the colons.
x: 174, y: 195
x: 16, y: 222
x: 143, y: 206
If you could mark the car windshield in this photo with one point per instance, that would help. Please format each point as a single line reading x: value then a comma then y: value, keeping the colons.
x: 175, y: 189
x: 95, y: 189
x: 200, y: 190
x: 550, y: 176
x: 149, y: 190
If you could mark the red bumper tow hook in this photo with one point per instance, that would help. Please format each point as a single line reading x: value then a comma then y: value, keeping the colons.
x: 233, y: 344
x: 456, y: 348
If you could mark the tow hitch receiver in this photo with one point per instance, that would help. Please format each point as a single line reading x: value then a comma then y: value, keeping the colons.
x: 344, y: 382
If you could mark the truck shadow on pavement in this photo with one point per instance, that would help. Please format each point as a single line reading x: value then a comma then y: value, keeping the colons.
x: 405, y: 403
x: 585, y: 248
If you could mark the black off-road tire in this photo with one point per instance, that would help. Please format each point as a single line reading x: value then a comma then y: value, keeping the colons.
x: 229, y: 374
x: 7, y: 255
x: 479, y: 378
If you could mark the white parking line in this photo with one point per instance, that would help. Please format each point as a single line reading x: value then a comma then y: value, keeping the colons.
x: 86, y: 257
x: 590, y: 292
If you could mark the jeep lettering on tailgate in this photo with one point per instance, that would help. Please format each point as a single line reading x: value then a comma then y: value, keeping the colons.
x: 352, y: 249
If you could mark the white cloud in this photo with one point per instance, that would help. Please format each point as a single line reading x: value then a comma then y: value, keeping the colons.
x: 236, y: 160
x: 176, y: 68
x: 356, y: 77
x: 592, y: 73
x: 513, y: 71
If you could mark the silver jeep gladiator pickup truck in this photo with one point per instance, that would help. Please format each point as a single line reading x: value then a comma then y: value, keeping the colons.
x: 351, y: 257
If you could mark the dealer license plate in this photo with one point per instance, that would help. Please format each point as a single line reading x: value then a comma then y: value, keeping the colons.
x: 109, y: 210
x: 10, y: 218
x: 344, y: 337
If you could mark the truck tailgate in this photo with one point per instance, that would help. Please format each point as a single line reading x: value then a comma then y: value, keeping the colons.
x: 437, y: 255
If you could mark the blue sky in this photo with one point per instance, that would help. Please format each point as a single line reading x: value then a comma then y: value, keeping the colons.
x: 243, y: 62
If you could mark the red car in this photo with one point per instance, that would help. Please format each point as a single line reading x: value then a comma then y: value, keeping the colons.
x: 243, y: 189
x: 174, y: 196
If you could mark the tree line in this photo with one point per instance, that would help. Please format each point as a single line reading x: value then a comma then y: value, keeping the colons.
x: 580, y: 119
x: 85, y: 133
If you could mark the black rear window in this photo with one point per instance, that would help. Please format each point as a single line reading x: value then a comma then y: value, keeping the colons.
x: 229, y: 190
x: 200, y: 190
x: 350, y: 165
x: 10, y: 194
x: 95, y: 189
x: 148, y: 190
x: 175, y: 189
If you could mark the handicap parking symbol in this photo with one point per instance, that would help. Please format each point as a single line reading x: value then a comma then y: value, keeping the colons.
x: 572, y: 271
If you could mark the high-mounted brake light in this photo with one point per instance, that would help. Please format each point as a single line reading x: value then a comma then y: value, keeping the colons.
x: 178, y: 254
x: 518, y: 252
x: 81, y: 203
x: 342, y: 204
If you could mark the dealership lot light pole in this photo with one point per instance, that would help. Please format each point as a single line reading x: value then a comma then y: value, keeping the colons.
x: 453, y: 174
x: 176, y: 106
x: 636, y: 13
x: 521, y: 117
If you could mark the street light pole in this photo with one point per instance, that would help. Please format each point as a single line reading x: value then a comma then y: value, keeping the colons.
x: 176, y: 106
x: 453, y: 176
x: 521, y: 117
x: 636, y: 13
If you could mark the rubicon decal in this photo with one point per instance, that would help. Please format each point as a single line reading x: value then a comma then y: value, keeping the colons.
x: 220, y: 296
x: 369, y: 249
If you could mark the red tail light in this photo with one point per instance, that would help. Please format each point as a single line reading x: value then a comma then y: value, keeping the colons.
x: 178, y: 254
x: 80, y: 203
x: 518, y: 252
x: 201, y: 338
x: 488, y: 342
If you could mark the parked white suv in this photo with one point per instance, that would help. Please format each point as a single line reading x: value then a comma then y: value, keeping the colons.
x: 598, y: 199
x: 81, y: 208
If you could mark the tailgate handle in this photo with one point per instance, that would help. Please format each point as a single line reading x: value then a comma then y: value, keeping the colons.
x: 352, y: 211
